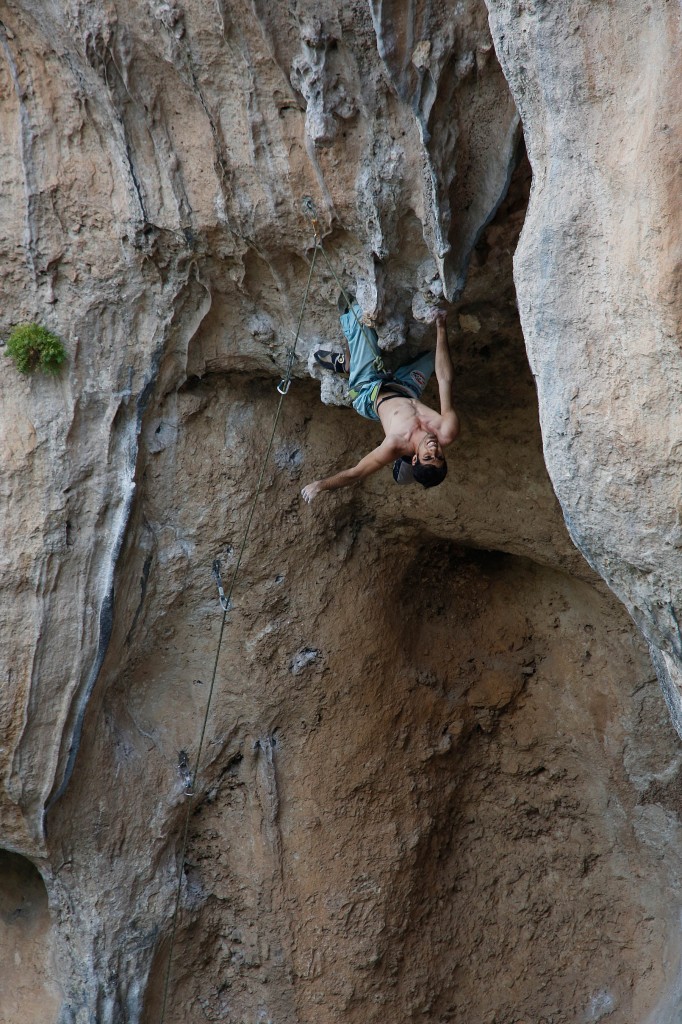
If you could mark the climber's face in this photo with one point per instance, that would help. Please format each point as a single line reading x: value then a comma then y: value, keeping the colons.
x: 429, y: 452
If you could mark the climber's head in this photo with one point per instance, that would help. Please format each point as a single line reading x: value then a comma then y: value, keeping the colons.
x: 431, y: 474
x: 429, y: 467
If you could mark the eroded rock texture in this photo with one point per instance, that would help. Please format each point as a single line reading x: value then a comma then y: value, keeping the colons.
x: 439, y: 781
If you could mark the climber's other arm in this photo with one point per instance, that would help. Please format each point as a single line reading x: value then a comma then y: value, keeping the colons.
x: 385, y: 454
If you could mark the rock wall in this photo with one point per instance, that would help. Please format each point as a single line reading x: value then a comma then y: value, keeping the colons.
x: 597, y: 275
x: 438, y: 777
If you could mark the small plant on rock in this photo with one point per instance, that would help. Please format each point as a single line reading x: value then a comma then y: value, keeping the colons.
x: 35, y: 348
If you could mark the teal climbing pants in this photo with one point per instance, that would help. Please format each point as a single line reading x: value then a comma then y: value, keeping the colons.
x: 365, y: 380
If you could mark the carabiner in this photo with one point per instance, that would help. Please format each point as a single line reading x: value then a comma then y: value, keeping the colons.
x: 225, y: 604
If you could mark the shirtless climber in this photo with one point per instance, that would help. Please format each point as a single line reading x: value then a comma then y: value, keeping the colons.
x: 415, y: 434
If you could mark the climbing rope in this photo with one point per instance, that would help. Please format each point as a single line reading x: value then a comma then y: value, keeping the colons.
x: 226, y: 598
x: 225, y: 602
x: 311, y: 213
x: 378, y: 361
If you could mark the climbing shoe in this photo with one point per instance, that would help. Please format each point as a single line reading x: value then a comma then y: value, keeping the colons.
x: 334, y: 361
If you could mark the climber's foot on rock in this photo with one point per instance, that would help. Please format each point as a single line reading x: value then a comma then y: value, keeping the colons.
x: 334, y: 361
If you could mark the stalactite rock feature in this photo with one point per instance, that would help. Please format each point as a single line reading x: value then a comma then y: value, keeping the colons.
x: 597, y: 273
x: 438, y: 60
x: 437, y: 760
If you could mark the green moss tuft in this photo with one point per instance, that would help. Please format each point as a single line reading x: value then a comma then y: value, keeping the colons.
x: 35, y: 348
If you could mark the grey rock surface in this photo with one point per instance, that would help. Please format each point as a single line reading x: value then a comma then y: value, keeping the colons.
x: 597, y: 273
x: 437, y: 761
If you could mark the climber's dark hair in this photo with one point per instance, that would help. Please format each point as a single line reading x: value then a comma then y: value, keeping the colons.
x: 429, y: 476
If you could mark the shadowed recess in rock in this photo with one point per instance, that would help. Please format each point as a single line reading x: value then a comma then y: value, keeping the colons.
x: 28, y: 992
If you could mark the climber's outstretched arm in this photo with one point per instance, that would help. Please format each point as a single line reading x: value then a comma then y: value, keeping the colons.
x: 445, y: 375
x: 385, y: 454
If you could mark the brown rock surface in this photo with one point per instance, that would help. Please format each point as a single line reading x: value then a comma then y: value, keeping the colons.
x: 27, y: 971
x: 439, y: 782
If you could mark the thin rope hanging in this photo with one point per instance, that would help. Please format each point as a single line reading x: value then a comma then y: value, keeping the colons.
x: 311, y: 213
x: 282, y: 388
x: 225, y: 599
x: 378, y: 360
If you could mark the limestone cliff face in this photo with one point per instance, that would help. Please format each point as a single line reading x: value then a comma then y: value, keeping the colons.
x: 438, y: 778
x: 598, y: 280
